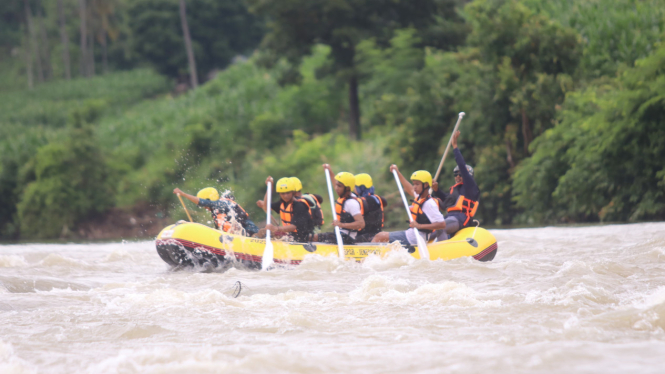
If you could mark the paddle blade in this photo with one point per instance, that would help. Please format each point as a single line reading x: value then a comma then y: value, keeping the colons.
x: 422, y: 246
x: 268, y: 256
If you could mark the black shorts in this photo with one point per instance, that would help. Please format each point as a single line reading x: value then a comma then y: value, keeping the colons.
x: 330, y: 237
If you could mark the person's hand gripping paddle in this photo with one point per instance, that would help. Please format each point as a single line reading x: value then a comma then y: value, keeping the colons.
x: 422, y: 246
x: 268, y: 252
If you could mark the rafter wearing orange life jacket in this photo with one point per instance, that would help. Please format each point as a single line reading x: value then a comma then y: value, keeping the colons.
x: 372, y: 206
x: 466, y: 206
x: 223, y: 220
x: 417, y: 211
x: 286, y: 211
x: 345, y: 217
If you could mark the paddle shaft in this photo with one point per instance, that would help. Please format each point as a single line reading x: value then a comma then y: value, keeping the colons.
x: 183, y: 205
x: 450, y: 141
x: 422, y: 246
x: 340, y: 246
x: 268, y: 252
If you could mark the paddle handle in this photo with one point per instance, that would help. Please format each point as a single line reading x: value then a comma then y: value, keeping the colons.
x: 450, y: 141
x: 422, y: 246
x: 340, y: 246
x: 183, y: 205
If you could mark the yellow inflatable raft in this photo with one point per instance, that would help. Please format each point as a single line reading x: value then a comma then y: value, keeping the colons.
x: 193, y: 244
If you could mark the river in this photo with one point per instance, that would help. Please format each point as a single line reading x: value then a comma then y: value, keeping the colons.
x: 554, y: 300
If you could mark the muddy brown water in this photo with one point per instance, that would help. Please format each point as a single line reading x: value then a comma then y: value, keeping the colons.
x: 554, y: 300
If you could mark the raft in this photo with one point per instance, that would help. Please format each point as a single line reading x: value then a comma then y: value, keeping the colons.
x: 187, y: 244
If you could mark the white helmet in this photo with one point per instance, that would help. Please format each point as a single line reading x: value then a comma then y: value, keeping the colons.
x: 469, y: 168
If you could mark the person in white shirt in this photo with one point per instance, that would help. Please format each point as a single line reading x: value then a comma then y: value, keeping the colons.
x: 424, y: 210
x: 349, y: 210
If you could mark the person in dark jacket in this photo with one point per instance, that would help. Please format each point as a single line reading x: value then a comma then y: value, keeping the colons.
x: 225, y: 211
x: 373, y: 207
x: 461, y: 201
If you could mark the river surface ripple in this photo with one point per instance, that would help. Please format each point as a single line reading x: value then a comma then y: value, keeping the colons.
x: 554, y: 300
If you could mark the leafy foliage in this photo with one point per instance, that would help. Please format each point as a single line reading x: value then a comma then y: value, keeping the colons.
x: 604, y: 160
x: 71, y: 182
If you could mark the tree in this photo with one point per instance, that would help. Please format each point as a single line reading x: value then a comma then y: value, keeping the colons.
x: 219, y: 30
x: 296, y: 26
x: 70, y: 182
x: 604, y: 159
x: 65, y: 41
x: 191, y: 62
x: 83, y: 14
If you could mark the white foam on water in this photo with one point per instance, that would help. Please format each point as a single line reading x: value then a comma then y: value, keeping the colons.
x: 11, y: 261
x: 556, y: 299
x: 10, y: 363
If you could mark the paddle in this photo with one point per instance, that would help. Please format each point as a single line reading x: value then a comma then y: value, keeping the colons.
x: 268, y: 252
x: 186, y: 211
x: 445, y: 153
x: 340, y: 246
x: 422, y: 246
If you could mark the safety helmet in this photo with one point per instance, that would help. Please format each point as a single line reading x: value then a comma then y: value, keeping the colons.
x: 284, y: 185
x: 364, y: 179
x: 423, y: 176
x: 208, y: 193
x: 347, y: 179
x: 469, y: 168
x: 297, y: 184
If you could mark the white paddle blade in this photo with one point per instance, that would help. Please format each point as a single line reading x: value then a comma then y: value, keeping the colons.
x: 268, y: 255
x: 422, y: 245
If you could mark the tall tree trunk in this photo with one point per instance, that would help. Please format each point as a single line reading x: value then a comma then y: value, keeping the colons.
x: 188, y: 45
x: 46, y: 50
x: 65, y: 42
x: 104, y: 52
x: 91, y: 53
x: 33, y: 41
x: 84, y: 38
x: 354, y: 109
x: 28, y: 60
x: 526, y: 132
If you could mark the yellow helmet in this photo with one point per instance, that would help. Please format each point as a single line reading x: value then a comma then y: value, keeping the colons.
x: 423, y: 176
x: 364, y: 179
x: 284, y: 185
x: 297, y: 184
x: 208, y: 193
x: 346, y: 179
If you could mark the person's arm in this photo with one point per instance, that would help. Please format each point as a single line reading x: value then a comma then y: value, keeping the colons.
x: 470, y: 185
x: 408, y: 187
x: 436, y: 192
x: 189, y: 197
x: 263, y: 204
x: 287, y: 228
x: 432, y: 212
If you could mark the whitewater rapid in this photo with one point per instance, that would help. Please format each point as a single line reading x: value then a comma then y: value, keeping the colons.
x: 554, y: 300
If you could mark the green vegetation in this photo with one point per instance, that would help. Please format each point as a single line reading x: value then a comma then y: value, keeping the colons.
x: 564, y: 103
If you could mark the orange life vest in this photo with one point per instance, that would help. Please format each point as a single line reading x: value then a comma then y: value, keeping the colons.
x: 417, y: 211
x: 464, y: 205
x: 223, y: 221
x: 286, y: 211
x: 342, y: 215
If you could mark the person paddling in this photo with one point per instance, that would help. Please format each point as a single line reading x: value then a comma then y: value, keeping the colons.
x: 373, y: 206
x: 424, y: 210
x: 348, y: 208
x: 313, y: 200
x: 294, y: 212
x: 461, y: 202
x: 224, y: 210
